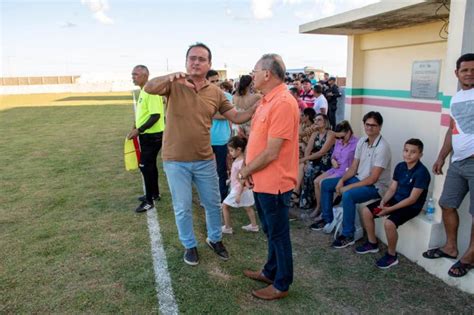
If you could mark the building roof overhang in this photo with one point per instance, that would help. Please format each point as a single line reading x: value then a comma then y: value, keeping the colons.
x: 380, y: 16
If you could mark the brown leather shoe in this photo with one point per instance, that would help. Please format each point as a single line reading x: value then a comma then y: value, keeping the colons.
x: 257, y: 275
x: 269, y: 293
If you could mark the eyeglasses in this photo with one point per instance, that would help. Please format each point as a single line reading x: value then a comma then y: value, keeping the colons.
x: 371, y: 125
x: 200, y: 59
x: 255, y: 71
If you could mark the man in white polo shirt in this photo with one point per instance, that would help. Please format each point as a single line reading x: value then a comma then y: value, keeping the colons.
x: 368, y: 178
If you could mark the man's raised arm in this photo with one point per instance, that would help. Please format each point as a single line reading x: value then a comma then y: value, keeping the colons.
x: 160, y: 85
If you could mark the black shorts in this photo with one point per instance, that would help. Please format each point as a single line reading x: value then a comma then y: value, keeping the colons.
x: 398, y: 217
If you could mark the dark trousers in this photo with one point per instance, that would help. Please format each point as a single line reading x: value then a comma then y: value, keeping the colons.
x: 332, y: 115
x: 150, y: 145
x: 273, y: 213
x: 220, y: 152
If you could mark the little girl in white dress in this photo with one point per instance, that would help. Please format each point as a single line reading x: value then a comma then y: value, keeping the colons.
x: 239, y: 196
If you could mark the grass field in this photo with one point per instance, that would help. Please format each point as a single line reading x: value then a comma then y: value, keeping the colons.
x: 71, y: 243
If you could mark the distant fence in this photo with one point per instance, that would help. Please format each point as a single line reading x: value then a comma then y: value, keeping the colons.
x: 13, y: 81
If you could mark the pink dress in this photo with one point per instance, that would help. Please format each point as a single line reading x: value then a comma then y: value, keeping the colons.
x: 246, y: 199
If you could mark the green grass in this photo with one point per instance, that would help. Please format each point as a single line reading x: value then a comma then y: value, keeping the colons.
x: 70, y: 242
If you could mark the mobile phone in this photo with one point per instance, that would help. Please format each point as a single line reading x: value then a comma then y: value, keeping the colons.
x: 377, y: 210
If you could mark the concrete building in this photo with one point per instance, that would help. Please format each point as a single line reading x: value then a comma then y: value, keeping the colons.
x: 401, y: 62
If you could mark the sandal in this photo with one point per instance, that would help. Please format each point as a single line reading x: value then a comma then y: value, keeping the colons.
x: 459, y: 269
x: 436, y: 253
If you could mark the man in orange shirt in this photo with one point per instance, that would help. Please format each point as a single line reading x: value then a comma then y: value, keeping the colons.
x: 272, y: 168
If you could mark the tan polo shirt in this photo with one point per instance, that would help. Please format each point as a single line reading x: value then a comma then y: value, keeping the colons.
x: 188, y: 121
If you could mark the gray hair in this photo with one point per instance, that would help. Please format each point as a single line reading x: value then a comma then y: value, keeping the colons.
x: 274, y: 63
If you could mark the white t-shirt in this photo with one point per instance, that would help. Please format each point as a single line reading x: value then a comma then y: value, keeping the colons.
x: 319, y: 103
x: 462, y: 112
x: 378, y: 154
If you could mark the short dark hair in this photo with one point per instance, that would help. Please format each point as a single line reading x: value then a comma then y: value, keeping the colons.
x: 142, y: 67
x: 310, y: 112
x: 318, y: 89
x: 416, y: 142
x: 237, y: 142
x: 198, y: 44
x: 374, y: 115
x: 306, y: 81
x: 325, y: 73
x: 311, y: 72
x: 211, y: 73
x: 463, y: 58
x: 343, y: 126
x: 294, y: 90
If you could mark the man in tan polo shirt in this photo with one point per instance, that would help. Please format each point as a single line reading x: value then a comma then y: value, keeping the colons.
x: 187, y: 153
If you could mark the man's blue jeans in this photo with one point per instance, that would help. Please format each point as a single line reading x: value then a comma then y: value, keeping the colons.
x: 349, y: 200
x: 273, y: 213
x: 181, y: 176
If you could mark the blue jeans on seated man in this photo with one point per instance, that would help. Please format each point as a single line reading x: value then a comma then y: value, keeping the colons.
x: 273, y: 213
x: 181, y: 176
x: 349, y: 200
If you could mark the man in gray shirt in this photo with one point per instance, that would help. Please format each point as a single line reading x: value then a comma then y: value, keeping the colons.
x: 368, y: 178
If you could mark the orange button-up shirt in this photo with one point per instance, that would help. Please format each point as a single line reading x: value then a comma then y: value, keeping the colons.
x: 277, y: 117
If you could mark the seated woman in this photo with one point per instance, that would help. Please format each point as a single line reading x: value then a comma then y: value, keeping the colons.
x: 307, y: 128
x: 317, y: 159
x: 341, y: 159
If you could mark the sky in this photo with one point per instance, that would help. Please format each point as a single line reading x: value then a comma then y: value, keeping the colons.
x: 75, y: 37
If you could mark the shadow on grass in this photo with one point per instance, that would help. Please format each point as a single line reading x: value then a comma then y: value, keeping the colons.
x: 96, y: 98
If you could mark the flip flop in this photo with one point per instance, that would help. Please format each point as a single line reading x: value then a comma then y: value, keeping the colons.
x: 462, y: 269
x: 436, y: 253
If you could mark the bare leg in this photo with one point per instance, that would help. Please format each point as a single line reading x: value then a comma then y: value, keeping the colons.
x: 369, y: 224
x: 451, y: 224
x: 299, y: 179
x: 251, y: 215
x: 392, y: 236
x: 226, y: 215
x: 468, y: 257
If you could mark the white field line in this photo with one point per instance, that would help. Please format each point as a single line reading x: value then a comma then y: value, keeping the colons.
x: 166, y: 300
x: 164, y: 290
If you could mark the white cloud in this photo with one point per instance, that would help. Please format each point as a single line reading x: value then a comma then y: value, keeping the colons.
x: 262, y: 9
x: 98, y: 8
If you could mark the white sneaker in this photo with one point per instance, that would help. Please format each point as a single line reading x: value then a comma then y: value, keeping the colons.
x: 251, y: 228
x: 227, y: 230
